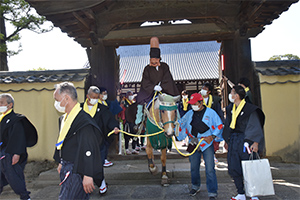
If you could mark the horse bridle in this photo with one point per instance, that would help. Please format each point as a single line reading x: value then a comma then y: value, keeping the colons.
x: 168, y: 107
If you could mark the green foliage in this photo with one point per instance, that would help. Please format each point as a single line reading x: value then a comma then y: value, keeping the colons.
x: 285, y: 57
x: 38, y: 69
x: 21, y: 16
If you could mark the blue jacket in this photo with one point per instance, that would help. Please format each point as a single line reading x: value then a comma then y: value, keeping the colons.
x: 210, y: 118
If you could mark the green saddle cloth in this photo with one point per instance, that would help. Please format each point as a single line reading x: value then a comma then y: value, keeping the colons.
x: 159, y: 141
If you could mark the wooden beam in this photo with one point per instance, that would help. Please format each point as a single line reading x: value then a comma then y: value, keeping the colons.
x: 172, y: 33
x: 62, y: 6
x: 137, y: 11
x: 79, y: 18
x: 89, y: 13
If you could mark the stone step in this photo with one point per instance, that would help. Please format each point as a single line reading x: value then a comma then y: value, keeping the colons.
x: 178, y: 171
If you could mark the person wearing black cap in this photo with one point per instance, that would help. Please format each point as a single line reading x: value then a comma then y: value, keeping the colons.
x: 243, y: 128
x: 156, y: 77
x: 245, y: 83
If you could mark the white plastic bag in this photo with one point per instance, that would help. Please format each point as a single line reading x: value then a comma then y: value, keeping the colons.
x: 257, y: 177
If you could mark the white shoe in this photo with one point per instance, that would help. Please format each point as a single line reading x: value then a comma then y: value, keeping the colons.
x: 239, y: 197
x: 135, y: 152
x: 103, y: 187
x: 254, y: 198
x: 137, y: 148
x: 107, y: 163
x: 128, y: 152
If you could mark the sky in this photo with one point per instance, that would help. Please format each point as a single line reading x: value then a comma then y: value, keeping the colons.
x: 55, y: 50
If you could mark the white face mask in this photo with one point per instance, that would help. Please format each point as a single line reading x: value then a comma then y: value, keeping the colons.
x: 93, y: 101
x: 184, y: 96
x: 58, y: 107
x: 203, y: 92
x: 104, y: 97
x: 195, y: 107
x: 3, y: 109
x: 230, y: 98
x: 130, y: 98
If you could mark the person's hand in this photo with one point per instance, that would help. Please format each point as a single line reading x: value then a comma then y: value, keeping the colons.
x: 225, y: 78
x: 59, y: 168
x: 118, y: 91
x: 158, y: 88
x: 194, y: 141
x: 15, y: 159
x: 116, y: 130
x: 254, y: 147
x: 88, y: 184
x: 208, y: 139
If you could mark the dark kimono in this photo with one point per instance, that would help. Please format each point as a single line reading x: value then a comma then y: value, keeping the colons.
x: 16, y: 134
x: 248, y: 128
x: 152, y: 77
x: 105, y: 120
x: 81, y: 147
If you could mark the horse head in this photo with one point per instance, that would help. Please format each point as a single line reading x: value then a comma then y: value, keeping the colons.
x: 168, y: 112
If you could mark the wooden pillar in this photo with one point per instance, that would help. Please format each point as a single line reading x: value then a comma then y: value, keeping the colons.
x: 104, y: 73
x: 238, y: 64
x: 104, y: 69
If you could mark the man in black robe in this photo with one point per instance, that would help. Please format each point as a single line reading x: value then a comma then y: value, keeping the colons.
x: 106, y: 122
x: 77, y: 149
x: 243, y: 127
x: 16, y: 133
x: 156, y: 77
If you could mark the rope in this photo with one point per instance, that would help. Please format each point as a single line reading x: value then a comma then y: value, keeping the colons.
x: 189, y: 154
x: 162, y: 130
x: 153, y: 112
x: 135, y: 135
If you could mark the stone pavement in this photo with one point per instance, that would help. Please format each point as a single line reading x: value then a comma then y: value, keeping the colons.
x: 129, y: 178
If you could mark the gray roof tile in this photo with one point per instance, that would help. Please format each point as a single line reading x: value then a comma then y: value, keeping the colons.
x: 278, y: 68
x: 187, y: 61
x: 43, y: 76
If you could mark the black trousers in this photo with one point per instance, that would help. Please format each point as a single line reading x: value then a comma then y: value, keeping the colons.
x: 127, y: 138
x: 235, y: 155
x: 13, y: 175
x: 71, y: 185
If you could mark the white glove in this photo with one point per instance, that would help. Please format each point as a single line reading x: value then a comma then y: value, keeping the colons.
x: 157, y: 88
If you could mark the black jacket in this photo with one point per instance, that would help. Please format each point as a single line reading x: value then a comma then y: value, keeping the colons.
x: 81, y: 146
x: 105, y: 120
x: 17, y: 133
x: 250, y: 122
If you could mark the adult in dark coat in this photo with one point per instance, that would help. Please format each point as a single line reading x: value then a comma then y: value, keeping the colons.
x: 115, y: 108
x: 16, y: 134
x: 106, y: 122
x: 156, y: 74
x: 77, y: 149
x: 156, y: 77
x: 243, y: 127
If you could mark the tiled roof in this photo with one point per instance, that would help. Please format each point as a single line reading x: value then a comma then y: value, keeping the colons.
x: 43, y: 76
x: 187, y: 61
x: 278, y: 68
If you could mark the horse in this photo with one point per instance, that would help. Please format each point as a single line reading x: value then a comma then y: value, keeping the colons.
x: 159, y: 116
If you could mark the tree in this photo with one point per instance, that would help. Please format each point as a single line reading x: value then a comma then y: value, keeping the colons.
x: 285, y: 57
x: 21, y: 16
